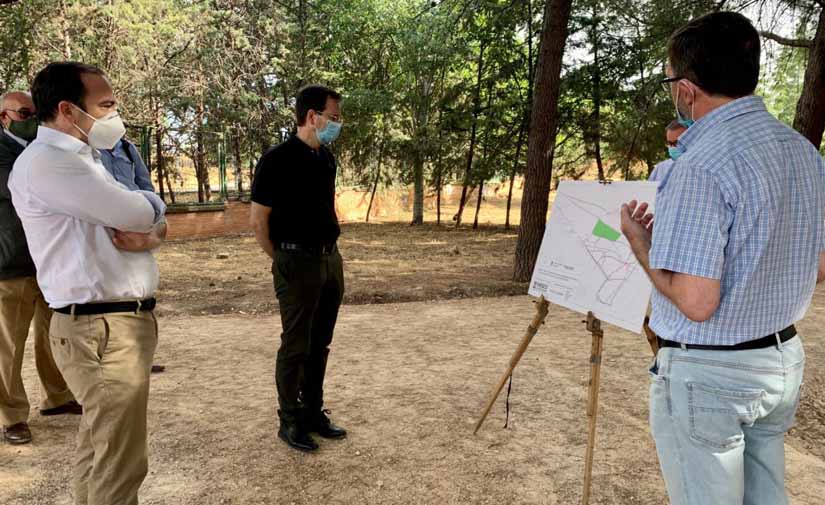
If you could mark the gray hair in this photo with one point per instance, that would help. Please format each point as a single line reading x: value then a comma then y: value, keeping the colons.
x: 5, y: 96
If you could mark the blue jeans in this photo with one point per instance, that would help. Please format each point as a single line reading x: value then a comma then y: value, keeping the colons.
x: 719, y: 420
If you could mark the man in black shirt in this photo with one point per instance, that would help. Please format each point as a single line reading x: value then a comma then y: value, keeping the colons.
x: 293, y: 215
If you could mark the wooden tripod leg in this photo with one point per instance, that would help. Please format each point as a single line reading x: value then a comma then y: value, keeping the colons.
x: 594, y: 326
x: 538, y: 320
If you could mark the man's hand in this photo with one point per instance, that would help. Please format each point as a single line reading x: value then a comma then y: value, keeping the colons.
x: 136, y: 242
x: 637, y: 226
x: 259, y: 220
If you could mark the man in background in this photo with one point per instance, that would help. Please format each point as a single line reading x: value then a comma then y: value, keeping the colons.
x: 21, y: 303
x: 293, y: 215
x: 126, y: 165
x: 128, y: 168
x: 661, y: 172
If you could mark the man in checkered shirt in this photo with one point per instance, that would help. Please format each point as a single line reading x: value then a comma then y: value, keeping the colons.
x: 735, y: 257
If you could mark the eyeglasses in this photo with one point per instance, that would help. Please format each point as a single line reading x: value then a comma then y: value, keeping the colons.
x: 336, y: 118
x: 666, y: 82
x: 23, y: 113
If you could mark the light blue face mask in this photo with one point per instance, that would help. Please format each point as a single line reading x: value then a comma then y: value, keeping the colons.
x: 674, y: 152
x: 329, y: 133
x: 687, y: 123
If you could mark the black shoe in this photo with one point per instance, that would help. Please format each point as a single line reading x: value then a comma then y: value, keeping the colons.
x: 71, y: 407
x: 297, y: 438
x: 158, y: 368
x: 325, y: 428
x: 17, y: 434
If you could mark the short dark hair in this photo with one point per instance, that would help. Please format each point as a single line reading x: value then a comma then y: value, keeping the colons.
x: 719, y: 52
x: 312, y: 97
x: 60, y: 81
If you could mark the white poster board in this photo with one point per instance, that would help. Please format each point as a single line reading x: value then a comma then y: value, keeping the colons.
x: 585, y: 263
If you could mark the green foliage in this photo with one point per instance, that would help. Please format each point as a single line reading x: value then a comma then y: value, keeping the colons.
x: 418, y: 76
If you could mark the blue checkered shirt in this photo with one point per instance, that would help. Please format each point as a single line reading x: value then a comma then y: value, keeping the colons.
x: 744, y: 204
x: 661, y: 174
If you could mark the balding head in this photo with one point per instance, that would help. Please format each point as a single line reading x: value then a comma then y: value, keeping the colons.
x: 15, y: 106
x: 673, y: 132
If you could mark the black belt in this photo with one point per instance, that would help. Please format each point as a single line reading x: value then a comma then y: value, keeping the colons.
x: 760, y: 343
x: 320, y: 250
x: 89, y: 309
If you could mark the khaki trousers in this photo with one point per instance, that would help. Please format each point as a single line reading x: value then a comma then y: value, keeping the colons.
x: 21, y: 306
x: 107, y: 359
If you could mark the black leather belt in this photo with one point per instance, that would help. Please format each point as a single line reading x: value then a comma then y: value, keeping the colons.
x: 321, y: 250
x: 760, y: 343
x: 89, y: 309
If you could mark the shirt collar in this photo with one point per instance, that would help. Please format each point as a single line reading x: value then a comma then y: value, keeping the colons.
x: 16, y: 138
x: 295, y: 138
x: 60, y: 140
x: 738, y: 107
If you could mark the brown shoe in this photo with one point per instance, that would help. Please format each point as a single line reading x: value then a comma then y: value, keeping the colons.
x: 17, y: 434
x: 71, y: 407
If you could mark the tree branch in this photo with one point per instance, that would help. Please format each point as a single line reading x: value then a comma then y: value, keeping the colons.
x: 806, y: 43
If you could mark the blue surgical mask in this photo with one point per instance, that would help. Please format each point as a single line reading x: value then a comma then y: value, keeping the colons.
x: 687, y: 123
x: 329, y: 133
x: 674, y: 152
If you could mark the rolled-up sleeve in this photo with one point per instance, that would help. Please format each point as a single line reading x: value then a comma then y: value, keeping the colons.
x: 69, y: 186
x: 692, y: 225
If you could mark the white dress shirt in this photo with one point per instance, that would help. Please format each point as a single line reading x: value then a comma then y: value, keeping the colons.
x: 69, y: 206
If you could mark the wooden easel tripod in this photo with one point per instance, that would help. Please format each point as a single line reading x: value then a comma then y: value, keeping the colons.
x: 594, y: 326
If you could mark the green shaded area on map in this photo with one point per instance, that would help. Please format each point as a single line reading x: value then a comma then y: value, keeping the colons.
x: 603, y: 230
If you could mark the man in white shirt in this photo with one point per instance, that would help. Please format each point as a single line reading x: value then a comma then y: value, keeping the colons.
x: 22, y: 306
x: 91, y: 241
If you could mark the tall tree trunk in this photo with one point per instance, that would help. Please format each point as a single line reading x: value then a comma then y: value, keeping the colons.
x: 478, y: 203
x: 473, y: 132
x: 528, y: 106
x: 169, y: 186
x: 64, y: 31
x: 160, y: 163
x: 597, y: 95
x: 236, y: 148
x: 519, y: 143
x: 418, y: 187
x: 202, y: 170
x: 541, y: 139
x: 377, y: 175
x: 438, y: 185
x: 810, y: 110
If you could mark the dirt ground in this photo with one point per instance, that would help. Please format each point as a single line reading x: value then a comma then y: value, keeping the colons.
x: 384, y: 263
x: 407, y: 379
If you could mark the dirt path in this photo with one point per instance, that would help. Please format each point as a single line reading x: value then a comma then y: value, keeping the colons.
x: 407, y: 380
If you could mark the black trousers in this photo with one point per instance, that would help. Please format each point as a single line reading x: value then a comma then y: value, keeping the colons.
x: 309, y: 289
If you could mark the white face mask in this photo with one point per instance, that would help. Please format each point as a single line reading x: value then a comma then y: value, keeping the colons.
x: 105, y: 132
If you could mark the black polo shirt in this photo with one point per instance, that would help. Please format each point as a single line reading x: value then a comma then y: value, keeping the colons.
x: 298, y: 183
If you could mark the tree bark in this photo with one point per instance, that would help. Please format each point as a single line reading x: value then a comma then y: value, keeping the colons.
x: 418, y: 187
x: 519, y: 143
x: 236, y: 147
x: 160, y: 163
x: 478, y: 203
x: 473, y: 133
x: 541, y: 139
x: 597, y: 95
x: 377, y: 177
x: 810, y: 110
